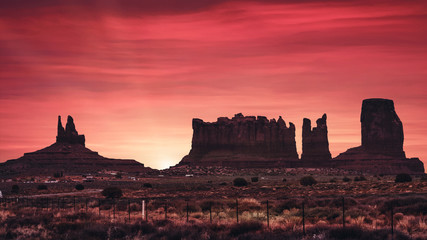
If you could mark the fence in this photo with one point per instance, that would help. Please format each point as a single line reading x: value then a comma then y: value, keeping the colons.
x: 299, y: 210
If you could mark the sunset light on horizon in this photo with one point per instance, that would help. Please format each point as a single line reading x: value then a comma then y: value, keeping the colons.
x: 133, y: 74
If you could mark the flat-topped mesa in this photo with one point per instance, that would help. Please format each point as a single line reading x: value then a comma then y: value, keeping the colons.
x: 382, y: 130
x: 70, y: 134
x: 241, y: 139
x: 315, y: 145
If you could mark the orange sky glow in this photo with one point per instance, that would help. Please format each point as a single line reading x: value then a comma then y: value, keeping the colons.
x: 133, y: 74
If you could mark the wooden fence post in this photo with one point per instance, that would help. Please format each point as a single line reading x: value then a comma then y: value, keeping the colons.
x: 142, y: 209
x: 392, y: 223
x: 187, y: 211
x: 303, y: 219
x: 343, y: 213
x: 268, y: 216
x: 210, y: 212
x: 237, y: 210
x: 129, y: 209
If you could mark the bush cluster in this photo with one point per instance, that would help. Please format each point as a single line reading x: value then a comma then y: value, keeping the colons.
x: 307, y: 181
x: 254, y: 179
x: 403, y: 177
x: 112, y: 192
x: 240, y: 182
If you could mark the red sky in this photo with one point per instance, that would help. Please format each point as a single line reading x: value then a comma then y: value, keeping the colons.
x: 134, y: 73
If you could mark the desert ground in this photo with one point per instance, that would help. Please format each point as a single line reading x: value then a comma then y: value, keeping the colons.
x: 207, y: 203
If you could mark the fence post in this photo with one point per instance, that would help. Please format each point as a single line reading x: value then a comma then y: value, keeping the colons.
x: 210, y: 212
x: 74, y: 203
x: 99, y: 207
x: 142, y: 209
x: 237, y: 210
x: 146, y: 211
x: 303, y: 219
x: 166, y: 211
x: 187, y: 211
x: 114, y: 209
x: 268, y: 216
x: 392, y: 223
x: 343, y: 213
x: 129, y: 209
x: 86, y: 204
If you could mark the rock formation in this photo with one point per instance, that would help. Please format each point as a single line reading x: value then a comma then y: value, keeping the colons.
x: 382, y: 130
x: 69, y: 155
x: 315, y: 145
x: 382, y: 142
x: 242, y: 142
x: 70, y: 134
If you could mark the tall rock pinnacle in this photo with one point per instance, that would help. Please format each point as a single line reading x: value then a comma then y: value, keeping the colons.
x: 382, y: 142
x: 315, y: 145
x: 382, y: 130
x: 70, y: 134
x: 61, y: 130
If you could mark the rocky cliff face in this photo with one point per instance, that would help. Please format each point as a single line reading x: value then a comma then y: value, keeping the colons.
x: 382, y: 142
x: 241, y: 141
x: 69, y: 155
x: 382, y: 130
x: 315, y: 145
x: 69, y: 134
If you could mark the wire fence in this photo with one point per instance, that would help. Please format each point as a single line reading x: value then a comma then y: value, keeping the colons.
x: 296, y: 211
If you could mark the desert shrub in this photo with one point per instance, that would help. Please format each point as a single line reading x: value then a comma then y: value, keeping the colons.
x: 192, y: 207
x: 79, y: 187
x: 205, y: 205
x: 307, y: 181
x: 245, y: 227
x: 346, y: 179
x: 360, y: 178
x: 249, y: 204
x: 254, y: 179
x: 15, y: 189
x: 287, y: 205
x: 223, y: 184
x: 42, y: 187
x: 79, y: 216
x: 58, y: 175
x: 135, y: 207
x: 354, y: 232
x: 118, y: 175
x: 112, y: 192
x: 147, y: 185
x: 240, y: 182
x: 333, y: 180
x: 423, y: 178
x: 405, y: 205
x: 403, y: 177
x: 143, y: 227
x: 117, y: 232
x: 284, y: 180
x: 323, y: 212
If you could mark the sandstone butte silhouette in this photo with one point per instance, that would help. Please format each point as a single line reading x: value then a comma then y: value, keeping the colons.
x: 248, y: 142
x: 69, y: 155
x: 244, y: 142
